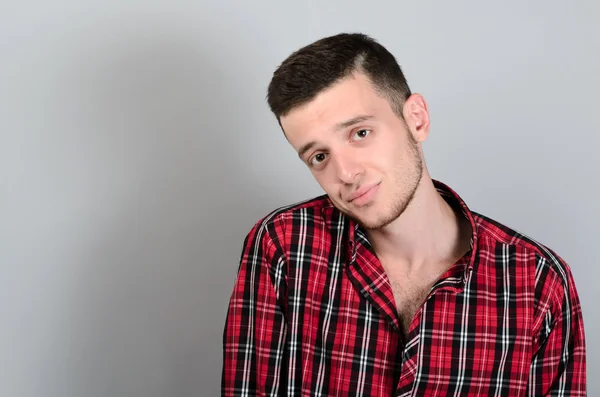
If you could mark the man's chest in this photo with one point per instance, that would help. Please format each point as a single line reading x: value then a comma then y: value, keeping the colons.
x: 343, y: 326
x: 407, y: 299
x: 410, y: 291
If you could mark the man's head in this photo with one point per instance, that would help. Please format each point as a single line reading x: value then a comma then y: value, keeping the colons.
x: 344, y: 105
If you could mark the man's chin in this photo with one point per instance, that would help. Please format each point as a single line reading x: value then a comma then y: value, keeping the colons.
x: 373, y: 222
x: 367, y: 216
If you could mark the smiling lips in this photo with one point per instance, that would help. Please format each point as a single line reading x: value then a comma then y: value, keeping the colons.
x: 364, y: 195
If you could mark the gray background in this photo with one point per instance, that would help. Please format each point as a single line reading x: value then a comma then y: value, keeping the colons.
x: 137, y: 150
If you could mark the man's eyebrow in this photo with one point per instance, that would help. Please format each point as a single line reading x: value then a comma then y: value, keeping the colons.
x: 351, y: 122
x: 340, y: 126
x: 306, y: 148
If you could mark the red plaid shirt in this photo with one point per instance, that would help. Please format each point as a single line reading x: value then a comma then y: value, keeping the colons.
x: 312, y: 313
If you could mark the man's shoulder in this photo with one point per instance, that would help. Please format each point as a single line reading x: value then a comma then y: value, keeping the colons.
x: 492, y: 230
x: 309, y: 213
x: 312, y: 208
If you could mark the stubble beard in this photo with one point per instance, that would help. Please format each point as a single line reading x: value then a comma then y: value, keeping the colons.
x: 410, y: 181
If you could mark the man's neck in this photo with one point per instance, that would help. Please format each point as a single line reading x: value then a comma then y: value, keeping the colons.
x: 429, y: 234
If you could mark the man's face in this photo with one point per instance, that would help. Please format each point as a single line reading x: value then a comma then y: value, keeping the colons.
x: 362, y: 154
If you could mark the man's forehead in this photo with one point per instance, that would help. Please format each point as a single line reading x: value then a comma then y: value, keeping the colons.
x: 329, y: 111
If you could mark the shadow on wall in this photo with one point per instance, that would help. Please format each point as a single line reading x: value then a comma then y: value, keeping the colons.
x: 171, y: 207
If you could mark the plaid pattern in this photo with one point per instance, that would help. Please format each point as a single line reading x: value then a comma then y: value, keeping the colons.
x: 312, y: 314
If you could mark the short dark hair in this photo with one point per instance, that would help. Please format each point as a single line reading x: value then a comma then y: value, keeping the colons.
x: 317, y: 66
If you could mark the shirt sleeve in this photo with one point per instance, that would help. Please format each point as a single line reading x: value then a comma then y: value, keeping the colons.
x: 559, y: 366
x: 255, y: 328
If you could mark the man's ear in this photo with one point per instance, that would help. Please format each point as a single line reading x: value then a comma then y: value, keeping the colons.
x: 416, y: 116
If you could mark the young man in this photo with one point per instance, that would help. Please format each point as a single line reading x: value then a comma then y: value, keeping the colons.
x: 389, y: 285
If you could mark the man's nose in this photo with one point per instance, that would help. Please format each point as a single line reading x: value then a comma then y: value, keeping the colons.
x: 348, y: 168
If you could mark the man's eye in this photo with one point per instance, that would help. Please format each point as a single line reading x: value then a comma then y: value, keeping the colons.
x: 318, y: 159
x: 361, y: 134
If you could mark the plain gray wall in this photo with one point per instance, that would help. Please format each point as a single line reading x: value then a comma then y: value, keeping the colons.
x: 137, y: 150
